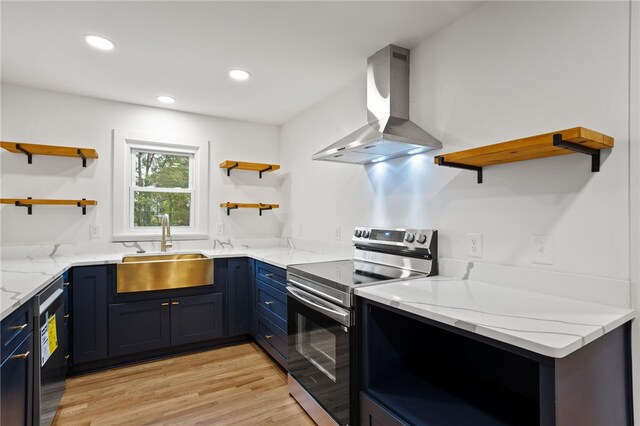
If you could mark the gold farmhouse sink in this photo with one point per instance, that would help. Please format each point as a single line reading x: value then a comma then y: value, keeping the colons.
x: 163, y: 272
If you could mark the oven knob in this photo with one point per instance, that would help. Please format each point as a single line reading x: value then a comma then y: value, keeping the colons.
x: 365, y: 234
x: 409, y: 237
x: 357, y: 233
x: 421, y: 238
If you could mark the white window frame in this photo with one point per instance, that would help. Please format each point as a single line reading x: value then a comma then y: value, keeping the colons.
x: 125, y: 143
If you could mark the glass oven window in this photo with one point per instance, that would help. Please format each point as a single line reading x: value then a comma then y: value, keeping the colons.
x: 317, y: 345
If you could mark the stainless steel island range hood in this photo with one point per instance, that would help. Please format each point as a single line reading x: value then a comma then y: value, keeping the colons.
x: 389, y: 133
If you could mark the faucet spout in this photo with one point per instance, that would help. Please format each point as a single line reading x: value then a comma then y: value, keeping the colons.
x: 166, y: 233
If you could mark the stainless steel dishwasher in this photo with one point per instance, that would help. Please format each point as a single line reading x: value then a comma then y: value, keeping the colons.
x: 50, y: 351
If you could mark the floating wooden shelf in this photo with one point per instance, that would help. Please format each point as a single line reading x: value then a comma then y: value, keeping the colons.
x: 562, y: 142
x: 243, y: 165
x: 260, y: 206
x: 30, y: 149
x: 30, y: 202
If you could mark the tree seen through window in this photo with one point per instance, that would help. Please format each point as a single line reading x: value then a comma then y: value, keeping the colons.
x: 162, y: 185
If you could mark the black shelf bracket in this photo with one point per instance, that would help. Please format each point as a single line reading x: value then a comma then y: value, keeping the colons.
x: 84, y: 206
x: 28, y: 206
x: 442, y: 162
x: 576, y: 147
x: 265, y: 208
x: 84, y: 159
x: 265, y: 170
x: 27, y: 153
x: 231, y: 208
x: 229, y: 171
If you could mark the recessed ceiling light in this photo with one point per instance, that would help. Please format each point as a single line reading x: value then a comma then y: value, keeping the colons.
x: 99, y: 42
x: 377, y: 160
x: 166, y: 99
x: 415, y: 151
x: 239, y: 75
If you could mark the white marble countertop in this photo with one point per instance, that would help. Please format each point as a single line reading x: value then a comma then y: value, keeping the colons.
x: 21, y: 279
x: 549, y: 325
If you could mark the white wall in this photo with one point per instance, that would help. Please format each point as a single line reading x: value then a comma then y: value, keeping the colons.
x: 37, y: 116
x: 507, y: 70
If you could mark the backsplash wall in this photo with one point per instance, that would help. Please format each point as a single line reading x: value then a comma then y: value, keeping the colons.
x: 505, y: 71
x: 43, y: 117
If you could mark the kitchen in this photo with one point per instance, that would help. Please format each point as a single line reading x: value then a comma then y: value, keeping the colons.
x: 546, y: 239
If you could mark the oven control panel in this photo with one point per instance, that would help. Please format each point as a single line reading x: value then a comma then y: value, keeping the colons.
x: 398, y: 237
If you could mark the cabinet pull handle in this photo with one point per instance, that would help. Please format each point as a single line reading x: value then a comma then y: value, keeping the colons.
x: 22, y: 356
x: 66, y: 357
x: 268, y: 302
x: 66, y: 284
x: 268, y: 336
x: 175, y: 303
x: 268, y: 275
x: 164, y: 304
x: 67, y: 316
x: 18, y: 327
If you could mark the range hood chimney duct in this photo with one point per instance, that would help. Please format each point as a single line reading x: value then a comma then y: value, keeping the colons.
x: 389, y: 133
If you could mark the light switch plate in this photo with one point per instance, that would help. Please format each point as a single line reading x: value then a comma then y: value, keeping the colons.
x: 219, y: 228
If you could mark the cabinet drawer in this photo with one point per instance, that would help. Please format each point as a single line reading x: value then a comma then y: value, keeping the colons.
x: 16, y: 327
x: 272, y: 275
x: 272, y: 304
x: 16, y: 395
x: 272, y: 338
x: 373, y: 414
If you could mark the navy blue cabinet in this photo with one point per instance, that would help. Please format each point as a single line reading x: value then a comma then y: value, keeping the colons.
x: 16, y: 387
x: 418, y: 371
x: 238, y: 296
x: 89, y: 312
x: 136, y: 327
x: 374, y: 414
x: 16, y: 367
x: 139, y: 326
x: 196, y: 318
x: 269, y: 310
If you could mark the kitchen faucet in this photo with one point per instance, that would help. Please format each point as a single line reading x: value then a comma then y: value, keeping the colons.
x: 166, y: 233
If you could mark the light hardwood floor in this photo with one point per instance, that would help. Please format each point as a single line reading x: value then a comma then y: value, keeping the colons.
x: 237, y: 385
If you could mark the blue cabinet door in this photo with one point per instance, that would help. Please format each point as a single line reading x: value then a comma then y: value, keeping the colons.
x: 89, y: 313
x: 196, y: 318
x: 238, y: 300
x: 139, y: 326
x: 16, y: 385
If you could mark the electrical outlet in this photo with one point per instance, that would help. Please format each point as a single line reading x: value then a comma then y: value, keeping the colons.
x: 542, y: 250
x: 337, y: 233
x: 474, y: 245
x: 219, y: 228
x: 95, y: 231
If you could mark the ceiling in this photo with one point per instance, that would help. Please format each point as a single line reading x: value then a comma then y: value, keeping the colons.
x: 297, y: 52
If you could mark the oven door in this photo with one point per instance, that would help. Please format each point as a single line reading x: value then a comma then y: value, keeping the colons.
x: 321, y: 345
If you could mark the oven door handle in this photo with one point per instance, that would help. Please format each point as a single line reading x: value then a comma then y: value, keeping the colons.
x: 343, y: 318
x: 313, y: 290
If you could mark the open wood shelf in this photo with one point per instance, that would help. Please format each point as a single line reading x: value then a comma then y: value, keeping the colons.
x: 29, y: 202
x: 30, y: 149
x: 262, y: 207
x: 243, y: 165
x: 562, y: 142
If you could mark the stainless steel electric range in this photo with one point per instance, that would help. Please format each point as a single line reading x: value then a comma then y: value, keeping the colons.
x: 321, y: 314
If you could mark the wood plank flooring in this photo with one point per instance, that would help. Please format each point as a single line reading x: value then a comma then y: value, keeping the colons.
x: 237, y: 385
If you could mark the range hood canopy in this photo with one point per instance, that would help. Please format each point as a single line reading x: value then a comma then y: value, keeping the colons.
x: 389, y: 132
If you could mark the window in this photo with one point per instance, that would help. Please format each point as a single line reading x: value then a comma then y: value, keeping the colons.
x: 156, y: 175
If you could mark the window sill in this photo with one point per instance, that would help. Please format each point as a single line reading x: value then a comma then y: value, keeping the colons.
x: 157, y: 237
